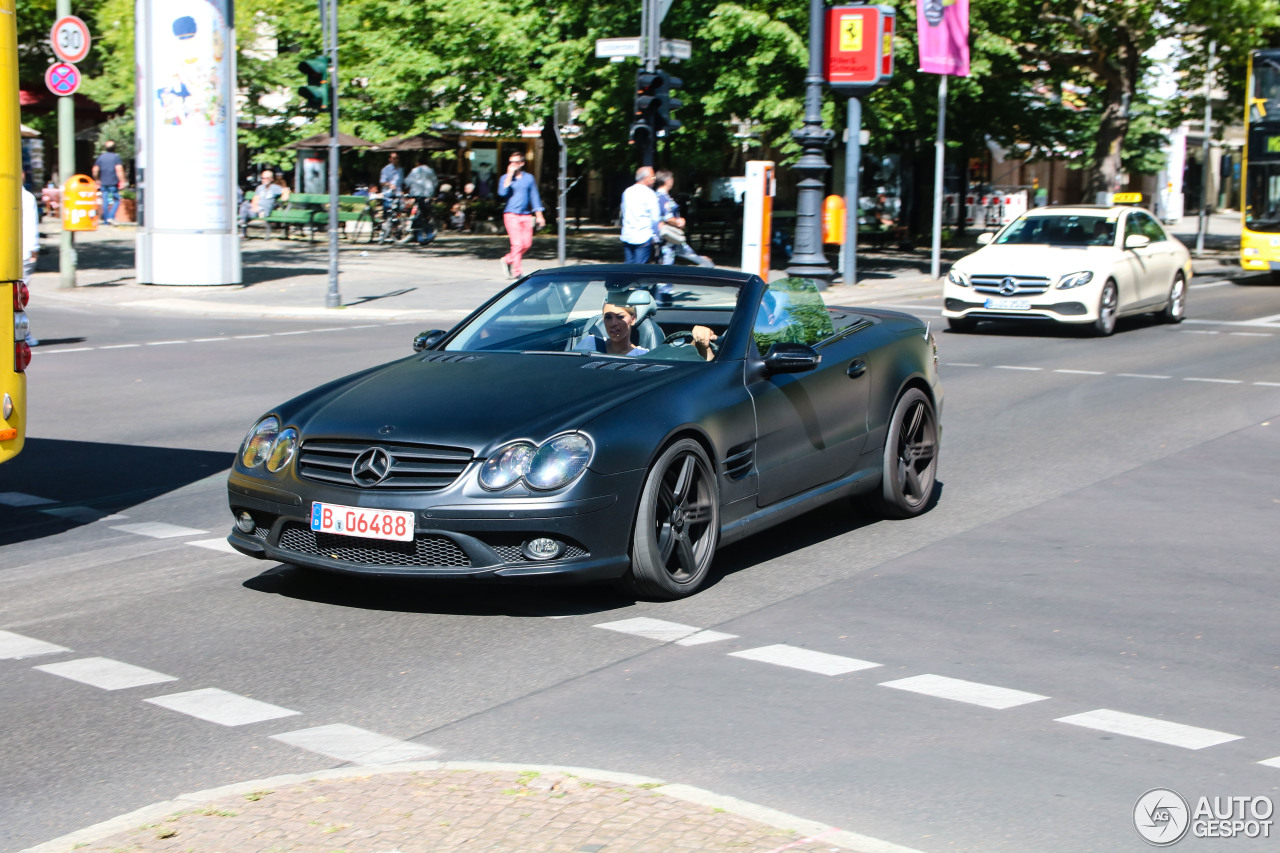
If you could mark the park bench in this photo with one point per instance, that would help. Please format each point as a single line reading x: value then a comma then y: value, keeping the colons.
x: 310, y: 211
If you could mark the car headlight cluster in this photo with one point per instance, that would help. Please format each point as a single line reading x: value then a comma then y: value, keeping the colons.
x: 958, y: 278
x: 1074, y: 279
x: 555, y: 463
x: 267, y: 443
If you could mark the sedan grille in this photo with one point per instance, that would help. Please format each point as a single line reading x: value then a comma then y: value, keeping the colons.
x: 413, y: 466
x: 1010, y: 285
x: 438, y: 551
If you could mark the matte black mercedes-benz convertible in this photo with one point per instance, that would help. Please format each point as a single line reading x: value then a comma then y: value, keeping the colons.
x: 518, y: 445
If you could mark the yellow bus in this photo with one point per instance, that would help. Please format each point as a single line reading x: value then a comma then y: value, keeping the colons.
x: 14, y: 356
x: 1260, y: 232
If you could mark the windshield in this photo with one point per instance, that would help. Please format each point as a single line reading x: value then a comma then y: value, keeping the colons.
x: 1062, y: 230
x: 1262, y: 197
x: 1264, y: 100
x: 563, y: 313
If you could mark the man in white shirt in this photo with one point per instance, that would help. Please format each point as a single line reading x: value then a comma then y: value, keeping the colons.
x: 640, y: 218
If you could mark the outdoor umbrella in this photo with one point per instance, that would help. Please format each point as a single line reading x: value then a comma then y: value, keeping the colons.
x: 417, y: 142
x: 321, y: 140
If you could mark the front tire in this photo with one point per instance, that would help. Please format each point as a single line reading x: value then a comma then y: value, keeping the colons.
x: 677, y: 525
x: 1108, y: 310
x: 910, y: 458
x: 1176, y: 308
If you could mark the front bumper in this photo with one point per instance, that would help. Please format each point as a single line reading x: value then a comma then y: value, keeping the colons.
x: 454, y: 536
x: 974, y: 306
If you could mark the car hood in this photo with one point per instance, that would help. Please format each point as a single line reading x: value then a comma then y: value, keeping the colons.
x: 1034, y: 260
x: 475, y: 400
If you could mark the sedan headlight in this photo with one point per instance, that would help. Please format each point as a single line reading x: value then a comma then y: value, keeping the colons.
x: 258, y: 443
x: 958, y: 278
x: 282, y: 453
x: 506, y: 466
x: 1074, y: 279
x: 552, y: 465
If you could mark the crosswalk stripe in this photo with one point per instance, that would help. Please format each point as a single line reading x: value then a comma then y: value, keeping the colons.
x: 105, y: 673
x: 959, y: 690
x: 158, y: 529
x: 356, y: 745
x: 806, y: 659
x: 653, y: 629
x: 703, y: 637
x: 15, y: 646
x: 215, y: 545
x: 20, y: 499
x: 221, y: 707
x: 1148, y: 728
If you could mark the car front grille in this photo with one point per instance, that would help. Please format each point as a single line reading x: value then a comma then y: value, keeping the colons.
x: 423, y: 467
x: 1023, y: 285
x: 438, y: 551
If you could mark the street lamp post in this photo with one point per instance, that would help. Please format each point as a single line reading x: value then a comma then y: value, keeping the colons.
x: 1204, y: 171
x: 808, y: 259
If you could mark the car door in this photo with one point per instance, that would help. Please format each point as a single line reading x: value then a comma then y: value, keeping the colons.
x: 1164, y: 260
x: 1152, y: 264
x: 810, y: 426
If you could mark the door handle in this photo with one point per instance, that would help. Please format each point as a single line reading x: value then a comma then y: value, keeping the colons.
x: 857, y: 367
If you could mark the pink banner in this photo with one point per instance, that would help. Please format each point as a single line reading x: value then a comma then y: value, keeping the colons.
x: 943, y: 26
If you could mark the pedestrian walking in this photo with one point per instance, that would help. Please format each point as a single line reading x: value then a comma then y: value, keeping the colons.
x: 640, y: 218
x: 392, y: 174
x: 108, y: 171
x: 672, y: 242
x: 524, y: 207
x: 420, y: 185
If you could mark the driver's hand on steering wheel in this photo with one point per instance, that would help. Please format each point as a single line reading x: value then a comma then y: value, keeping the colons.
x: 702, y: 338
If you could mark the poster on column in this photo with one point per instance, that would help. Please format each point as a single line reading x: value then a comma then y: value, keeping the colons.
x: 943, y: 28
x: 190, y: 118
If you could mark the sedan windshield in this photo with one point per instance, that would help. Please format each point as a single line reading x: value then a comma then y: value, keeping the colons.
x: 1062, y: 230
x: 562, y: 312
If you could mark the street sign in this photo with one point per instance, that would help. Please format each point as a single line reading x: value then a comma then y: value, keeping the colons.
x: 62, y: 78
x: 70, y: 39
x: 617, y: 47
x: 675, y: 48
x: 859, y: 49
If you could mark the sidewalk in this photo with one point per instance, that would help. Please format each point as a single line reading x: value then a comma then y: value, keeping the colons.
x: 438, y: 807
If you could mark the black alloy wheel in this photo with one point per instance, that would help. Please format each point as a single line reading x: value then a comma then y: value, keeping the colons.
x: 910, y: 458
x: 677, y: 525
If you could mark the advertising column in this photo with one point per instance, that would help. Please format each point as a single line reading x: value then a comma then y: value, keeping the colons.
x: 186, y: 143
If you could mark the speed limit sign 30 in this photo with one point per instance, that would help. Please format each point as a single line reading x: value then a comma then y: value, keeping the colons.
x: 70, y: 39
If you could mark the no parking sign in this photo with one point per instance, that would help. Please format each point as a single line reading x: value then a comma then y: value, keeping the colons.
x: 62, y: 78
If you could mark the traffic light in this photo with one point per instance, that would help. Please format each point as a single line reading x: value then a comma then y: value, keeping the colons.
x: 666, y: 103
x: 316, y: 93
x: 648, y: 84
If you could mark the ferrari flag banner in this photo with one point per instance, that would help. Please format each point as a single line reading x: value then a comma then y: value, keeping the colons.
x: 943, y: 27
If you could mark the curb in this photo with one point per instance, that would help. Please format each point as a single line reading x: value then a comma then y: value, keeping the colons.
x: 814, y: 830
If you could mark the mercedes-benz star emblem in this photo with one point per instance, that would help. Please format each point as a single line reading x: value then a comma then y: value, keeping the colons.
x: 371, y: 467
x: 1009, y: 286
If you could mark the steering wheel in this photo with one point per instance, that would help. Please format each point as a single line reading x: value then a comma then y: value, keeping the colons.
x: 685, y: 338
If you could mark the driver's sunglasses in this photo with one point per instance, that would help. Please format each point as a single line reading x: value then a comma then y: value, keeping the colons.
x: 610, y: 317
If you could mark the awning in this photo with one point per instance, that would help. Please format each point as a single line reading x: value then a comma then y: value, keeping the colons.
x: 417, y: 142
x: 321, y: 140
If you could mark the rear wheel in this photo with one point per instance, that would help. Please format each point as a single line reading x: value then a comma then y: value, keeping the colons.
x: 1176, y: 307
x: 1108, y: 310
x: 910, y: 458
x: 677, y: 525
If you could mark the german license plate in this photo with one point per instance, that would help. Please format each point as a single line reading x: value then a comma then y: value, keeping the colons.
x: 395, y: 524
x: 1007, y: 304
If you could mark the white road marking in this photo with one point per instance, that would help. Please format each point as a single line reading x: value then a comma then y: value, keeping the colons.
x: 120, y: 346
x: 20, y: 499
x: 1252, y: 334
x: 215, y: 545
x: 1219, y: 381
x: 1208, y: 284
x: 1264, y: 321
x: 1269, y: 384
x: 221, y: 707
x: 355, y: 745
x: 165, y: 343
x: 15, y: 646
x: 157, y: 529
x: 1015, y: 367
x: 959, y: 690
x: 1148, y: 728
x: 1082, y: 372
x: 1143, y: 376
x: 1271, y: 762
x: 653, y: 629
x: 806, y: 659
x: 282, y: 334
x: 959, y: 364
x: 208, y: 340
x: 250, y: 337
x: 1200, y: 331
x: 45, y: 351
x: 105, y: 673
x: 705, y: 637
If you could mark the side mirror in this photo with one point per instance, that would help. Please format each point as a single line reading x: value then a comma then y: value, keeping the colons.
x: 1136, y: 241
x: 428, y: 340
x: 791, y: 358
x: 985, y: 237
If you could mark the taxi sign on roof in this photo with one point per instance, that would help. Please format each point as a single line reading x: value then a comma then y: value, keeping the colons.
x: 1127, y: 198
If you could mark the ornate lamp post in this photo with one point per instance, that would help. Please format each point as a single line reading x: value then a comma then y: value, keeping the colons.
x: 808, y: 259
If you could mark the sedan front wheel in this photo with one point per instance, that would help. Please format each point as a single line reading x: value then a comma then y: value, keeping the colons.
x: 1108, y: 310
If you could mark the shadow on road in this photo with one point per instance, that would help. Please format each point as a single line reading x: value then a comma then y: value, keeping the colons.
x: 78, y: 482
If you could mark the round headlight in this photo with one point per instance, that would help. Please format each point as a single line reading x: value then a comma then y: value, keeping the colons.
x: 257, y: 444
x: 506, y: 466
x: 559, y: 462
x: 282, y: 453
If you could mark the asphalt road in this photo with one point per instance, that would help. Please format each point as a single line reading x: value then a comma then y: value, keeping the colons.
x: 1103, y: 542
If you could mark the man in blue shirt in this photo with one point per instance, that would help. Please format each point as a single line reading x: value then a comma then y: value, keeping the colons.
x: 108, y: 171
x: 392, y: 174
x: 524, y: 206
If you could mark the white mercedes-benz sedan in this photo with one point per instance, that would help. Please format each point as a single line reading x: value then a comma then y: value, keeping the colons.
x: 1084, y: 265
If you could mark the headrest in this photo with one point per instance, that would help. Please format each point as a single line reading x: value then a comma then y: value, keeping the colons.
x: 640, y: 300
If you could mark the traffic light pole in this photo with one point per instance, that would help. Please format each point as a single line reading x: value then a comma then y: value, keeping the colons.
x: 332, y: 298
x: 66, y: 168
x: 808, y: 260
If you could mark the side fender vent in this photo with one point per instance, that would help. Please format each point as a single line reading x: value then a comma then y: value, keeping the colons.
x: 739, y: 461
x: 451, y: 357
x: 627, y: 366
